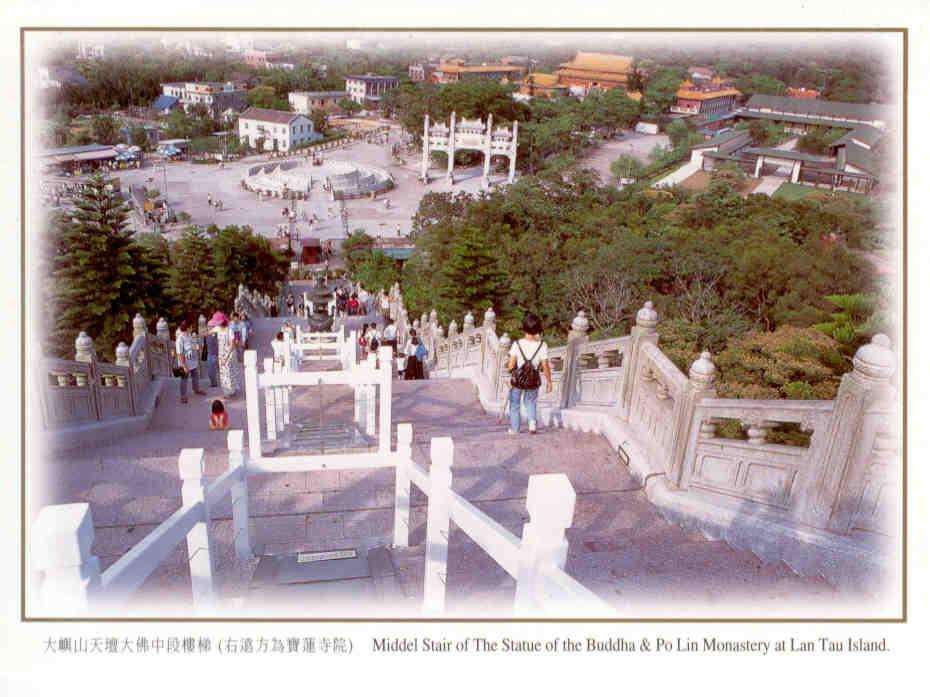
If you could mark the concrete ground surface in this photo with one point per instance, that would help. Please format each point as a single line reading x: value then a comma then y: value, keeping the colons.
x: 639, y: 145
x: 620, y: 546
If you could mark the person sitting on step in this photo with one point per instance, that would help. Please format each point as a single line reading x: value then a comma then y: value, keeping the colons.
x: 219, y: 418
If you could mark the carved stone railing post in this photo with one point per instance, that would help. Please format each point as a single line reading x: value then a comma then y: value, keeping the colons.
x: 502, y: 391
x: 161, y: 329
x: 138, y: 326
x: 577, y: 336
x: 122, y: 354
x: 239, y: 493
x: 490, y: 319
x: 84, y: 349
x: 642, y: 333
x: 402, y: 485
x: 437, y: 526
x: 550, y: 500
x: 62, y: 537
x: 832, y: 494
x: 191, y: 468
x: 469, y: 323
x: 700, y: 385
x: 202, y: 325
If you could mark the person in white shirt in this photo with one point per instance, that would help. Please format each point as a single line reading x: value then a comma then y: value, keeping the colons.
x: 188, y: 362
x: 364, y: 309
x: 390, y: 335
x: 385, y: 306
x: 524, y: 384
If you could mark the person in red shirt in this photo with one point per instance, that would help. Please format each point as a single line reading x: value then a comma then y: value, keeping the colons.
x: 353, y: 305
x: 219, y: 418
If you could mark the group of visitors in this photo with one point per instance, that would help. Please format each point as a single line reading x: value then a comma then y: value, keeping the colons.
x: 222, y: 349
x: 411, y: 360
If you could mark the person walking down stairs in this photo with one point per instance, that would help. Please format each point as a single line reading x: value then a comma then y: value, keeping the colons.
x: 528, y: 356
x: 187, y: 360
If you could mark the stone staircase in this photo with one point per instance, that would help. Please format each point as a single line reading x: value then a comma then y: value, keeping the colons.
x: 620, y: 545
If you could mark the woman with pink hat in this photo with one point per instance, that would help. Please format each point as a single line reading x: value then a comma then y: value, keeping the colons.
x: 226, y: 354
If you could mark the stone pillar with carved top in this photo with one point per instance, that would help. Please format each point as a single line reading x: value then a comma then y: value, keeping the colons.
x: 643, y: 332
x: 831, y: 495
x: 577, y: 336
x: 700, y: 385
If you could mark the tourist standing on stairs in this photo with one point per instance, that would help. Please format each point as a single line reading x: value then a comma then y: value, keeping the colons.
x: 363, y: 301
x: 212, y: 354
x: 390, y: 335
x: 385, y: 306
x: 228, y: 360
x: 528, y: 356
x: 187, y: 360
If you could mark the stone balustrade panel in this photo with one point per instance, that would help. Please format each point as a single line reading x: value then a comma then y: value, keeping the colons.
x: 877, y: 494
x: 657, y: 387
x: 754, y: 470
x: 68, y: 394
x: 114, y: 390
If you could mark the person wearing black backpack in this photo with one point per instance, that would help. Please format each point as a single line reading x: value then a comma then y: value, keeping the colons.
x: 528, y: 356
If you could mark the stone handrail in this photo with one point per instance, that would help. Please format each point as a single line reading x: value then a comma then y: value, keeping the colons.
x: 664, y: 423
x: 87, y: 389
x: 63, y: 535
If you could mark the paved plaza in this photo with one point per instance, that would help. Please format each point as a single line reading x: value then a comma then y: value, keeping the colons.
x: 187, y: 187
x: 639, y: 145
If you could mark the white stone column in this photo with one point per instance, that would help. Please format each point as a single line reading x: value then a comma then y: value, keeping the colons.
x: 191, y: 468
x: 486, y: 178
x: 162, y: 331
x: 550, y: 500
x: 700, y: 385
x: 760, y: 160
x: 271, y: 404
x: 239, y: 493
x: 450, y: 179
x: 437, y: 526
x: 424, y: 163
x: 402, y: 485
x: 253, y: 418
x: 577, y: 336
x: 513, y: 156
x: 796, y: 172
x: 138, y: 326
x: 61, y: 541
x: 387, y: 369
x: 829, y: 495
x: 84, y: 349
x: 122, y: 354
x: 642, y: 333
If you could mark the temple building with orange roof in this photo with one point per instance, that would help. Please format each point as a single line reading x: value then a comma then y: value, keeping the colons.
x: 457, y: 70
x: 714, y: 97
x: 588, y: 70
x: 542, y: 85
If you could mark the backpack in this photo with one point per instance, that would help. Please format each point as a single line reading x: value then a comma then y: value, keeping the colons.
x: 526, y: 377
x: 420, y: 353
x: 374, y: 344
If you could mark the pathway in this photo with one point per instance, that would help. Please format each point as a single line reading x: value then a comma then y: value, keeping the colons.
x: 619, y: 544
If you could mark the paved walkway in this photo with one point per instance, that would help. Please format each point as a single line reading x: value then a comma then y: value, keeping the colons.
x: 619, y: 545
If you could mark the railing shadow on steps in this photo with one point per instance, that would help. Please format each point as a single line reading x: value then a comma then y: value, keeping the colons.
x: 72, y: 585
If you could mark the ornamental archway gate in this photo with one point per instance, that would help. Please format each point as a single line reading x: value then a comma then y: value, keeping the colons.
x: 468, y: 134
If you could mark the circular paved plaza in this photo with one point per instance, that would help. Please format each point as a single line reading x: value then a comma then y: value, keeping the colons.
x: 188, y: 187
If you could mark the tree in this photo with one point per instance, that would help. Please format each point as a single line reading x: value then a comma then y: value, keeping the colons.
x: 192, y: 279
x: 377, y: 270
x: 818, y: 140
x: 320, y: 120
x: 626, y: 167
x: 660, y: 92
x: 139, y: 137
x: 350, y: 106
x: 94, y: 289
x: 265, y: 97
x: 356, y: 248
x: 765, y: 132
x: 681, y: 131
x: 105, y: 129
x: 471, y: 277
x: 760, y: 84
x: 856, y: 319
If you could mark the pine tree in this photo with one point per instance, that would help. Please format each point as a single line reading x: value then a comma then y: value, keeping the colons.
x: 192, y: 282
x: 94, y: 289
x: 471, y: 278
